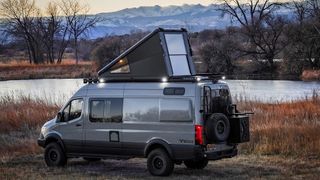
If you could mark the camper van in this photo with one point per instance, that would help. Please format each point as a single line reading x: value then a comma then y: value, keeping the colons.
x: 149, y: 102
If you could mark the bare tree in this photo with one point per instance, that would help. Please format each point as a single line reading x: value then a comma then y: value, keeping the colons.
x: 303, y: 34
x: 220, y: 51
x: 313, y: 8
x: 260, y: 25
x: 79, y: 22
x: 49, y: 27
x: 20, y: 17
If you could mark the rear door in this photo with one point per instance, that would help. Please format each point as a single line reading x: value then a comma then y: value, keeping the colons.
x: 104, y: 126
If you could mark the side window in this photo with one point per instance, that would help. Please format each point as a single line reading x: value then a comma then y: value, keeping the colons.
x: 175, y: 110
x: 106, y: 110
x: 141, y: 110
x: 97, y: 110
x: 73, y: 110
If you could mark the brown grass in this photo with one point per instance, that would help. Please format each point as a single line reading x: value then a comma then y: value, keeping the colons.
x: 290, y: 129
x: 68, y: 69
x: 25, y: 113
x: 310, y: 75
x: 20, y: 122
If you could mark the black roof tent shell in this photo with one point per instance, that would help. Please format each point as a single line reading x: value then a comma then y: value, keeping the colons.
x: 151, y: 59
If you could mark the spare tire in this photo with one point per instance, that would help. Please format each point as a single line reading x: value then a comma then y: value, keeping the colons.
x: 217, y: 128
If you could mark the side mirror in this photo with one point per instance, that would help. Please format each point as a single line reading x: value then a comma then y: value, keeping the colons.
x: 60, y: 117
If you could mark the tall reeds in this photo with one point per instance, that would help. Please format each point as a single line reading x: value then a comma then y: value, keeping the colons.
x: 287, y: 128
x: 20, y: 121
x: 24, y: 112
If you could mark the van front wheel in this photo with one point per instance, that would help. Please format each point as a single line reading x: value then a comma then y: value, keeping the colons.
x: 159, y: 163
x: 196, y: 164
x: 54, y: 155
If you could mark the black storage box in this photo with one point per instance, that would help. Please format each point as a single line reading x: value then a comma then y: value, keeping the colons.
x: 240, y: 131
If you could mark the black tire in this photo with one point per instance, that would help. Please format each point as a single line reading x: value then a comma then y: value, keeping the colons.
x: 159, y: 163
x: 217, y: 128
x: 92, y: 159
x: 196, y: 164
x: 54, y: 155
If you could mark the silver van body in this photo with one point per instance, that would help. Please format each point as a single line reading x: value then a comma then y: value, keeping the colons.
x: 149, y: 117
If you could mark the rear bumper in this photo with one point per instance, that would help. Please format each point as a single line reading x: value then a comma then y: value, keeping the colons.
x: 216, y: 155
x: 184, y: 152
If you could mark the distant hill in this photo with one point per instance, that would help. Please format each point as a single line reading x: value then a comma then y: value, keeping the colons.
x: 193, y: 17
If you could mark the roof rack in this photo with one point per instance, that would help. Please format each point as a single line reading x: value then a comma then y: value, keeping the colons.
x: 195, y: 78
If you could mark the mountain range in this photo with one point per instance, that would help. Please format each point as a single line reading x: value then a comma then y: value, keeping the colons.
x: 192, y: 17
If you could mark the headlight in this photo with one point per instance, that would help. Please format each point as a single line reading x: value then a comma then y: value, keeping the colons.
x: 43, y: 130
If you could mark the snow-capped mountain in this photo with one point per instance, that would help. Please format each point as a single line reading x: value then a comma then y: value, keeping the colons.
x: 192, y: 17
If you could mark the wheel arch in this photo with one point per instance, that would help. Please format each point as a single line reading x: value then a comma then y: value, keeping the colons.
x: 158, y: 143
x: 53, y: 137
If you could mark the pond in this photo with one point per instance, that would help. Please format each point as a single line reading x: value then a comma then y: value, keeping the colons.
x: 60, y: 90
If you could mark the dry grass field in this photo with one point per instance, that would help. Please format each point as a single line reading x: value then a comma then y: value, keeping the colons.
x: 291, y: 129
x: 67, y: 69
x: 284, y: 144
x: 240, y: 167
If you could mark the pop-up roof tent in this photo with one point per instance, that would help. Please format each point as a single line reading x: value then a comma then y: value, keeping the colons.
x: 161, y: 54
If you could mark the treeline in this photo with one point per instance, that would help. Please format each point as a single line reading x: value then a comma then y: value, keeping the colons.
x: 264, y: 40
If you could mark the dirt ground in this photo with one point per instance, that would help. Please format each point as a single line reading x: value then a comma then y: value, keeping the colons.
x: 241, y: 167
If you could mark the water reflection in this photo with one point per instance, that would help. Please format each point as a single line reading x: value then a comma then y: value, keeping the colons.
x: 272, y: 90
x: 60, y: 90
x: 53, y: 90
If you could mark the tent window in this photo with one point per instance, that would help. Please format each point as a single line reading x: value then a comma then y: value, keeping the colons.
x: 122, y: 66
x: 180, y: 65
x: 178, y: 54
x: 175, y: 44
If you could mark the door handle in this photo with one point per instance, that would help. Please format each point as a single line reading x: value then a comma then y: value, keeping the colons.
x: 78, y: 125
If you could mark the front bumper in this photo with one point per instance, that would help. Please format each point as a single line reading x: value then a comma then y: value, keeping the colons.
x: 41, y: 142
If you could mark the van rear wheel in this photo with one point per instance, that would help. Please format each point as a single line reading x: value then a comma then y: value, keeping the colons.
x: 54, y: 155
x: 159, y: 163
x: 196, y: 164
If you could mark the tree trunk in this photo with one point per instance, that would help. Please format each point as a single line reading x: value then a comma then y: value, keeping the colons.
x: 271, y: 64
x: 76, y: 49
x: 29, y: 52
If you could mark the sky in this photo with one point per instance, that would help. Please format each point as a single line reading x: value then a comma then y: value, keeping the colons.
x: 97, y: 6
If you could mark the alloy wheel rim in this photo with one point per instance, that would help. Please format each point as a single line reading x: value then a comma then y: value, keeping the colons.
x: 53, y: 155
x: 158, y: 163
